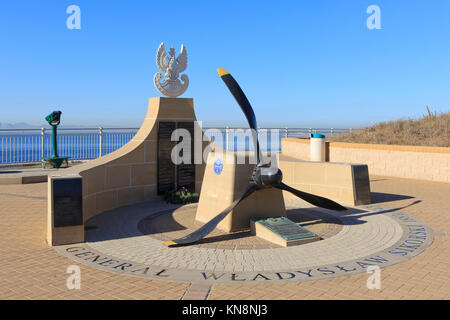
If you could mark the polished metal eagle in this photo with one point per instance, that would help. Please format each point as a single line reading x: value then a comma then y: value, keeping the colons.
x: 172, y: 67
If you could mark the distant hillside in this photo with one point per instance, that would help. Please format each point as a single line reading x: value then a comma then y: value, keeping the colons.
x: 430, y: 130
x: 19, y: 125
x: 23, y: 125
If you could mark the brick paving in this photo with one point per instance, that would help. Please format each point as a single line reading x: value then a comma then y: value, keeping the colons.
x: 426, y: 276
x: 176, y: 223
x: 31, y: 270
x: 366, y: 233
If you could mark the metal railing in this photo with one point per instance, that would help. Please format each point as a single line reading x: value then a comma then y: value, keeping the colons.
x: 306, y: 132
x: 31, y: 145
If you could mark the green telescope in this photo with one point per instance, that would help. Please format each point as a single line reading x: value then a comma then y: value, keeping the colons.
x: 54, y: 119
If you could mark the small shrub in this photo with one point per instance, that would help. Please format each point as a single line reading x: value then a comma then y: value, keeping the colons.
x: 181, y: 196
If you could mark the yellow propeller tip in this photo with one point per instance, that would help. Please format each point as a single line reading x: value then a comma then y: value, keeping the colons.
x: 169, y: 243
x: 222, y: 72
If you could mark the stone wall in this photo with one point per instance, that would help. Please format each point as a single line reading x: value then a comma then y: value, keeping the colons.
x: 129, y: 174
x: 344, y: 183
x: 414, y: 162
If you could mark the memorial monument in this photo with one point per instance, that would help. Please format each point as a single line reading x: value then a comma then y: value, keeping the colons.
x: 265, y: 175
x: 233, y: 196
x: 103, y: 203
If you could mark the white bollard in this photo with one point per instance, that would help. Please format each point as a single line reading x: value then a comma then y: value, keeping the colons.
x: 317, y: 147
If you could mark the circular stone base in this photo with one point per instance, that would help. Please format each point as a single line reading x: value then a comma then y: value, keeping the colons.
x: 129, y: 241
x: 174, y: 224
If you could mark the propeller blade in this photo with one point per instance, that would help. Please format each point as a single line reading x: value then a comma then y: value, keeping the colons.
x: 313, y: 199
x: 204, y: 230
x: 242, y: 100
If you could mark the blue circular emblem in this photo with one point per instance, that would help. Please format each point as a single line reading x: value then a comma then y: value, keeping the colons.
x: 218, y: 166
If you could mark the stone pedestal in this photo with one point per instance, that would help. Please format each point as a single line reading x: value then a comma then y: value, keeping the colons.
x: 220, y: 189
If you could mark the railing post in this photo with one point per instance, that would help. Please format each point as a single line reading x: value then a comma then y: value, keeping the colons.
x: 42, y: 143
x: 227, y: 137
x: 100, y: 144
x: 331, y: 131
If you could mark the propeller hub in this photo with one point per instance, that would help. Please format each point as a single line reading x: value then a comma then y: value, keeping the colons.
x: 265, y: 176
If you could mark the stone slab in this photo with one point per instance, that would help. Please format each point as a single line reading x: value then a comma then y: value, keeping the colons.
x: 345, y: 183
x: 282, y: 231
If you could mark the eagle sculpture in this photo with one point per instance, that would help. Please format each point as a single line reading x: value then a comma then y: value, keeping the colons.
x: 172, y: 67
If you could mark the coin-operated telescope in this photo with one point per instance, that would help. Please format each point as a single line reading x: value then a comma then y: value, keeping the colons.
x: 54, y: 161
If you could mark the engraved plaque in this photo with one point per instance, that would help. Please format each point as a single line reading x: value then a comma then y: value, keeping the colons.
x: 67, y: 202
x: 286, y: 229
x: 186, y: 171
x: 361, y: 184
x: 166, y: 168
x: 169, y: 174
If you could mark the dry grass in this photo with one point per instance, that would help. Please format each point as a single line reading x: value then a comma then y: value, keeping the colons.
x: 430, y: 130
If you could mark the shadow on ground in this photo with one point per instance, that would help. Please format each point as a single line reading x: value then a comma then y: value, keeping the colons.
x: 353, y: 217
x: 303, y: 216
x: 377, y: 197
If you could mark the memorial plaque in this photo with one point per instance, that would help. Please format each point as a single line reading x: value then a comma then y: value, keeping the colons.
x: 166, y: 168
x: 186, y: 171
x: 286, y: 229
x: 361, y: 184
x: 169, y: 174
x: 67, y: 202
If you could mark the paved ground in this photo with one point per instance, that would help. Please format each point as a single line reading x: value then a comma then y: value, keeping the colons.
x: 368, y: 235
x: 176, y: 224
x: 31, y: 270
x: 31, y: 173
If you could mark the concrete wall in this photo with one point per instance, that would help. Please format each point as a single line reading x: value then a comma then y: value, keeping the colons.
x: 414, y: 162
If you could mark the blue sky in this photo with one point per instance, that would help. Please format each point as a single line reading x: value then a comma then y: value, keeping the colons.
x: 301, y: 63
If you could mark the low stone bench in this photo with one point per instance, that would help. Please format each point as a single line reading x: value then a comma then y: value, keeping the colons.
x: 345, y: 183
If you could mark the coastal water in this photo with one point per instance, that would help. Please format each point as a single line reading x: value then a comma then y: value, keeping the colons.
x: 27, y: 147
